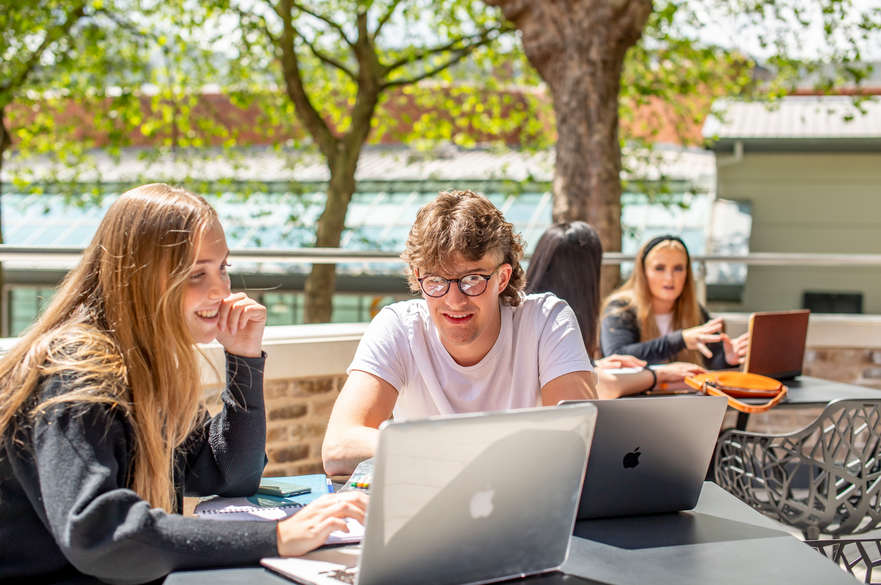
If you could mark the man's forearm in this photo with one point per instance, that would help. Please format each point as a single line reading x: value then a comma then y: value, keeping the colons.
x: 341, y: 452
x: 610, y: 386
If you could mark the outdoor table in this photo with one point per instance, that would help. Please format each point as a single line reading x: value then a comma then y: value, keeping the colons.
x: 811, y: 391
x: 802, y: 391
x: 722, y: 541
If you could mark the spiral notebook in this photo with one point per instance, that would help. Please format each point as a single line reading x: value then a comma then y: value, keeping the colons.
x: 264, y: 507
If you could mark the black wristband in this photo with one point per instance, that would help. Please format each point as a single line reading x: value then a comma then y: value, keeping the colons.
x: 654, y: 378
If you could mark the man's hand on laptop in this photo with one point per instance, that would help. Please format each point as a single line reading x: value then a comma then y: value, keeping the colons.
x: 309, y: 528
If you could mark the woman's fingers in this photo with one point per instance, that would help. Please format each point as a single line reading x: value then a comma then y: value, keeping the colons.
x: 732, y: 356
x: 712, y: 326
x: 230, y: 309
x: 688, y: 368
x: 310, y: 527
x: 699, y: 336
x: 629, y: 361
x: 701, y: 347
x: 223, y: 315
x: 357, y: 499
x: 237, y: 310
x: 741, y: 345
x: 675, y: 372
x: 240, y: 324
x: 329, y: 524
x: 342, y: 508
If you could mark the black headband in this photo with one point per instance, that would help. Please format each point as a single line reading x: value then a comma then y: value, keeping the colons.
x: 665, y: 238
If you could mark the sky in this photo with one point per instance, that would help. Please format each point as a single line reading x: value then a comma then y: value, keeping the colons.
x: 807, y: 43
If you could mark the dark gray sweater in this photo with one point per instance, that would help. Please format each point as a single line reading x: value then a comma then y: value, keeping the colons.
x: 620, y: 334
x: 67, y: 515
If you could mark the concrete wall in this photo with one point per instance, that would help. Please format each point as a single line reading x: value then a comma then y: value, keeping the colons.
x: 808, y: 202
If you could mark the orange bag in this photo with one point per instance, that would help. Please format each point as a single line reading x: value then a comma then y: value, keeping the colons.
x: 734, y: 385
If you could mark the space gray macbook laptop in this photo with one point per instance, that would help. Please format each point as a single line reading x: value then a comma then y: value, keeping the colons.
x: 649, y: 455
x: 464, y: 499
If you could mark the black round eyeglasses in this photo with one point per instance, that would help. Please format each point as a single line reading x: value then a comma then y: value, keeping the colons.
x: 471, y: 285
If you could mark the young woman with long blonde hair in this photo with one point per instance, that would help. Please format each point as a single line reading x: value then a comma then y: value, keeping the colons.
x: 102, y: 430
x: 656, y: 317
x: 566, y: 262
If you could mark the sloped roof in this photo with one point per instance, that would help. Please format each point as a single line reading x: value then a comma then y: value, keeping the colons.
x: 828, y: 122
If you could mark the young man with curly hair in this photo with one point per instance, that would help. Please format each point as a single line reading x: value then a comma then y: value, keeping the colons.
x: 474, y: 342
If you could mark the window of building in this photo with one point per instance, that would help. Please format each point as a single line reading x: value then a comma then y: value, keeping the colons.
x: 25, y: 304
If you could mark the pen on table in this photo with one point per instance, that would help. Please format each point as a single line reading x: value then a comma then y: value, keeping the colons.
x: 360, y: 484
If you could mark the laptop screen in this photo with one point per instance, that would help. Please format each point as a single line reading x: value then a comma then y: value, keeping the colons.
x: 777, y: 343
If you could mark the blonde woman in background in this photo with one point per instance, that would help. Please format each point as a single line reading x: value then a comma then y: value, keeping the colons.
x: 656, y: 317
x: 567, y: 261
x: 101, y: 423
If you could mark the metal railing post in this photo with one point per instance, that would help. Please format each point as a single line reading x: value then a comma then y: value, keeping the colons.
x: 700, y: 282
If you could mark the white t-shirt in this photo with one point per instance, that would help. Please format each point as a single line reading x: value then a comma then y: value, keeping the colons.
x: 664, y: 321
x: 539, y: 340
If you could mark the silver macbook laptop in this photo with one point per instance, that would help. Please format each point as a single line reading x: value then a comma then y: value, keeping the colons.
x: 649, y: 455
x: 464, y: 499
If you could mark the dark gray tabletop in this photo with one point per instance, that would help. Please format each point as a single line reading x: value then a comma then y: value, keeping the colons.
x: 722, y: 541
x: 807, y: 390
x: 810, y: 391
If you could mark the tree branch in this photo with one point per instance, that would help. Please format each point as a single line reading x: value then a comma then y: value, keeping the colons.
x: 481, y: 38
x: 325, y: 58
x: 459, y: 55
x: 385, y: 17
x: 52, y: 35
x: 295, y: 88
x: 126, y: 24
x: 323, y: 19
x: 259, y: 23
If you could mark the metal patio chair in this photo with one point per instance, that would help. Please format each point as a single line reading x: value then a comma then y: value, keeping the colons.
x: 859, y: 557
x: 822, y: 479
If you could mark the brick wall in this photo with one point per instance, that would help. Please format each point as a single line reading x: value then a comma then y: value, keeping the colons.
x: 296, y: 415
x: 297, y: 411
x: 845, y: 364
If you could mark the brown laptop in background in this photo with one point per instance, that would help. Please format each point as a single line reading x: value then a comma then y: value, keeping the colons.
x: 777, y: 343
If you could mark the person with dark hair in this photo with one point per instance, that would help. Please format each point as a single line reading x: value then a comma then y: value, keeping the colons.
x: 656, y: 317
x: 567, y: 261
x: 472, y: 343
x: 102, y: 425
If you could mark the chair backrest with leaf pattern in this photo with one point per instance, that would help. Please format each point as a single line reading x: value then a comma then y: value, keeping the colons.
x: 822, y: 479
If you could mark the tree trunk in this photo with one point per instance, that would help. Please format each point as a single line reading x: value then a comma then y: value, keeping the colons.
x: 587, y: 182
x: 578, y: 48
x: 341, y: 152
x: 322, y: 279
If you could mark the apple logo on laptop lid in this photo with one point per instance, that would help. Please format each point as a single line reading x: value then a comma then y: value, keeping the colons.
x: 481, y: 505
x: 631, y: 459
